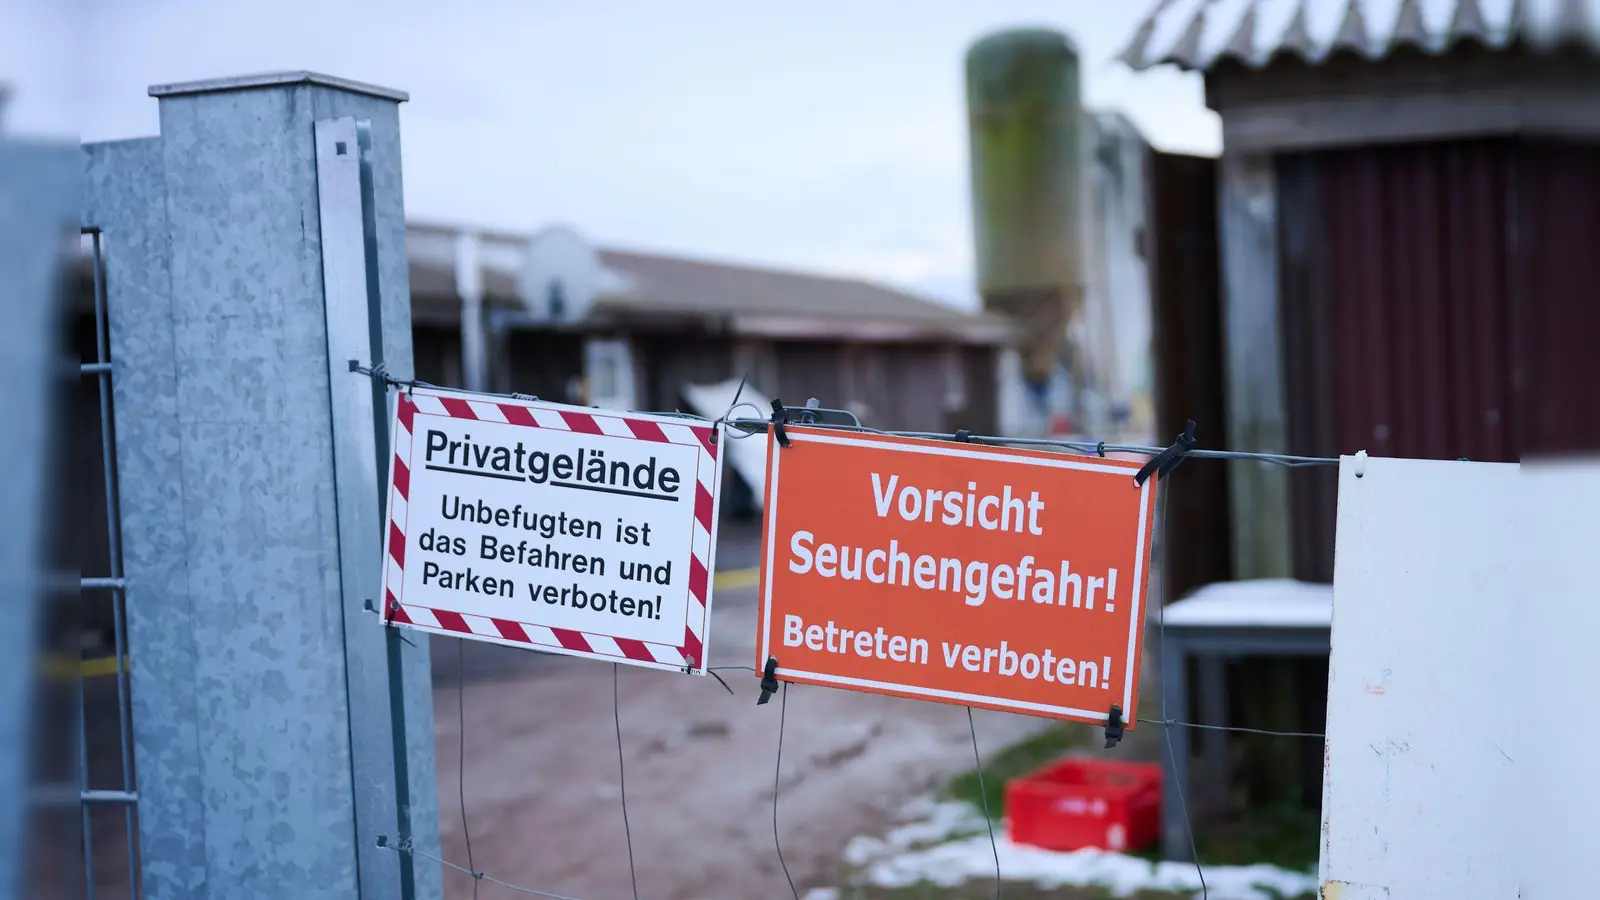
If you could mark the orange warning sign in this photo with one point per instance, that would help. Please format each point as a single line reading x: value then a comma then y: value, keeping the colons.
x: 982, y: 576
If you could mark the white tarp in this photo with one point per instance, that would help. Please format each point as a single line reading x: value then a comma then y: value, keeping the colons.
x: 747, y: 455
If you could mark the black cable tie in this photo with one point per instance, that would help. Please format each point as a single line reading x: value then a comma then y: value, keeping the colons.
x: 1168, y: 459
x: 769, y: 681
x: 779, y: 417
x: 379, y: 373
x: 963, y: 436
x: 720, y: 681
x: 1100, y: 448
x: 388, y: 622
x: 1114, y: 726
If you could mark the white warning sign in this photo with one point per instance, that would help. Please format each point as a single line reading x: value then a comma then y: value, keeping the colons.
x: 559, y: 528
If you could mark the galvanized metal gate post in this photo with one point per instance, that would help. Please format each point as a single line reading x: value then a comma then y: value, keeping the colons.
x: 37, y: 196
x: 251, y: 250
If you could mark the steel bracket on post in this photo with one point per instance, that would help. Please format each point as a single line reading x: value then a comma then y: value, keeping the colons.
x: 361, y: 451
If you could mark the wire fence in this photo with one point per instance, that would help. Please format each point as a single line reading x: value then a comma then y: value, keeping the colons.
x: 1166, y: 458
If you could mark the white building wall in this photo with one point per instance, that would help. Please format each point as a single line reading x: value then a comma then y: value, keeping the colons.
x: 1113, y: 331
x: 1118, y: 291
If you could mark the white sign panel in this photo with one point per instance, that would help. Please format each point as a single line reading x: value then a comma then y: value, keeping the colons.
x: 1428, y: 686
x: 552, y: 527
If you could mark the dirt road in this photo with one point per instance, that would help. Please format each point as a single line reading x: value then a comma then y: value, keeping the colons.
x: 542, y: 789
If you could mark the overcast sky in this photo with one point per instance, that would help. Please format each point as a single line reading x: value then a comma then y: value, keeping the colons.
x: 827, y: 135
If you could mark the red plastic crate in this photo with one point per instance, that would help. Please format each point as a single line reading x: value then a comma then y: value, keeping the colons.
x: 1078, y: 803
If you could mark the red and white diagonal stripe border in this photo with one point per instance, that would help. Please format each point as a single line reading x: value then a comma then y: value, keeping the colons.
x: 689, y: 655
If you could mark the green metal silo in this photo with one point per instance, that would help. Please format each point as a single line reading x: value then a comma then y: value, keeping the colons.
x: 1025, y: 122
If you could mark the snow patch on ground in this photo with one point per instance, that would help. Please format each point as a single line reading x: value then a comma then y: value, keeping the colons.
x: 947, y: 844
x: 924, y: 822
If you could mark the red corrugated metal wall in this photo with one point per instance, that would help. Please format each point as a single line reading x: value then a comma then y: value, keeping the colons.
x: 1556, y: 309
x: 1438, y: 301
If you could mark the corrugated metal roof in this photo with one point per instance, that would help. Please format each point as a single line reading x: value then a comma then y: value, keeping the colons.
x: 1199, y: 34
x: 662, y: 286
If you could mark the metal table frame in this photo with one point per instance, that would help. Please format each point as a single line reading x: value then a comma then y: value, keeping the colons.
x: 1212, y: 645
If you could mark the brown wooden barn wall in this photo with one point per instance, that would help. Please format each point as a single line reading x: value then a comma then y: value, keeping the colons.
x: 1182, y: 250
